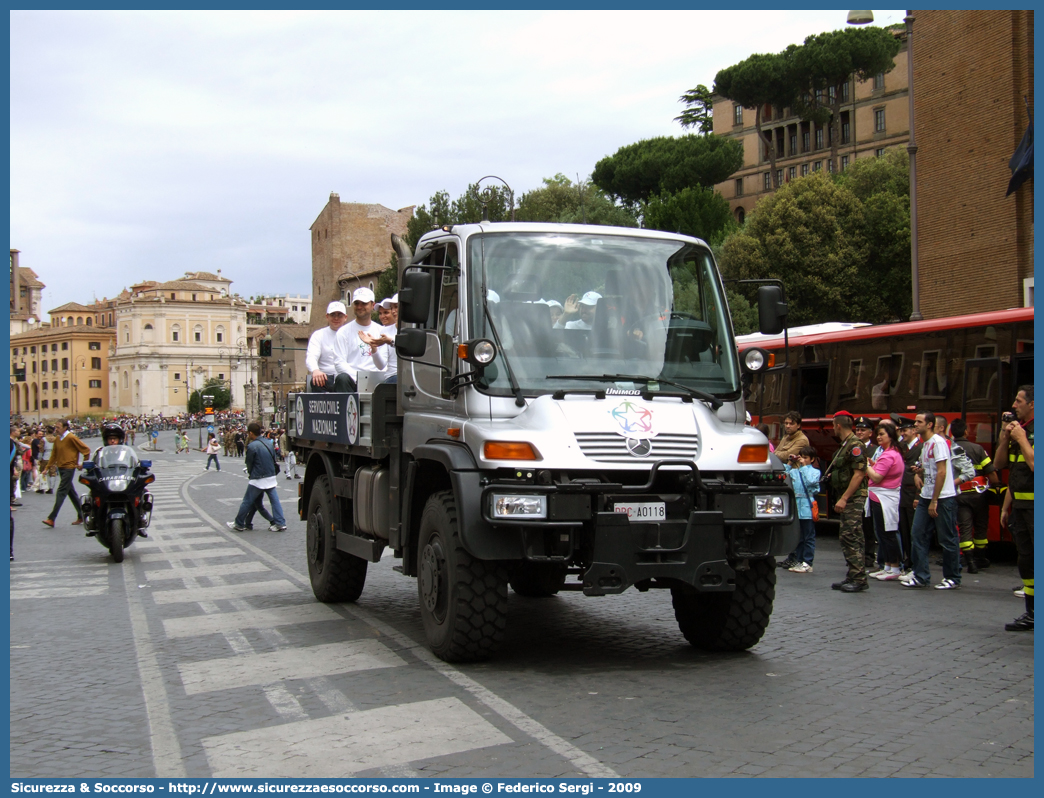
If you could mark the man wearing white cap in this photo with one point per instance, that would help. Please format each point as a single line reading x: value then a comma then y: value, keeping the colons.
x: 325, y: 357
x: 362, y: 354
x: 579, y: 314
x: 388, y: 310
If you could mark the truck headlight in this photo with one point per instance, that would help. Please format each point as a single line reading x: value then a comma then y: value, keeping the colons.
x: 519, y: 506
x: 770, y: 506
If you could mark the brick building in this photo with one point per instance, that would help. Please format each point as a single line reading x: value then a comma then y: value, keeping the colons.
x: 25, y: 294
x: 351, y: 246
x: 975, y: 246
x: 874, y: 115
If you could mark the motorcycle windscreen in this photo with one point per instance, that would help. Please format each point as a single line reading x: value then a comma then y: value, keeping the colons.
x: 116, y: 457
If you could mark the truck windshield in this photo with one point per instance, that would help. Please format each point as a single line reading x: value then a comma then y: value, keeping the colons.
x: 571, y: 304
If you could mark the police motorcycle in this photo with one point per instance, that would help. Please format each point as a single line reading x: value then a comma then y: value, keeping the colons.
x: 118, y: 508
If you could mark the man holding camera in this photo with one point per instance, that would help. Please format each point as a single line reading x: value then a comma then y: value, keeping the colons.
x: 1015, y: 450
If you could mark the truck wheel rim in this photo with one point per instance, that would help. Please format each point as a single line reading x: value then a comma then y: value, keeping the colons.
x: 431, y: 578
x: 315, y: 552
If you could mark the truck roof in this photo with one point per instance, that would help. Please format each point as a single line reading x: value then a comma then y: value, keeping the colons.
x: 466, y: 230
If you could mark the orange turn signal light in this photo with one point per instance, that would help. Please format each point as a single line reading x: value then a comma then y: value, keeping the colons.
x: 462, y: 351
x: 453, y: 432
x: 753, y: 453
x: 509, y: 450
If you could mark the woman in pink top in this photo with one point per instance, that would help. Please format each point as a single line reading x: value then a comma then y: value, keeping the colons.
x: 885, y: 473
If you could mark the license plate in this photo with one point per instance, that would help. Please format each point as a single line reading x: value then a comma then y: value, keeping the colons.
x: 645, y: 511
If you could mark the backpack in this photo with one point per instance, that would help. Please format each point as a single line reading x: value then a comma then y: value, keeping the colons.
x: 963, y: 468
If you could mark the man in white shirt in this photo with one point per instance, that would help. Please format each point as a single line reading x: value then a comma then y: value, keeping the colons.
x: 579, y: 314
x: 325, y: 358
x: 361, y: 353
x: 388, y: 310
x: 936, y: 507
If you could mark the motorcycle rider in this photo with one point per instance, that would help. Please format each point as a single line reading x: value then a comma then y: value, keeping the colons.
x: 113, y: 435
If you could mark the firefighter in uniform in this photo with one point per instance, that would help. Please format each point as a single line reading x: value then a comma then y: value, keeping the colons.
x: 847, y: 473
x: 1016, y: 444
x: 973, y: 507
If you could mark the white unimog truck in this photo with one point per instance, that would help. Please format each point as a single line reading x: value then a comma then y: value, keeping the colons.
x: 601, y: 452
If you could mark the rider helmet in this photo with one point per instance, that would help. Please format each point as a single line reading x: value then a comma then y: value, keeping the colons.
x: 113, y: 431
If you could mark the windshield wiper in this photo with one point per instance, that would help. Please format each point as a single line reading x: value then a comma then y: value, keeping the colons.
x: 695, y: 393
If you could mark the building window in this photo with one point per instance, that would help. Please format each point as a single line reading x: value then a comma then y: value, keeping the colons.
x: 805, y: 141
x: 221, y: 376
x: 32, y: 350
x: 43, y: 404
x: 739, y: 192
x: 791, y: 172
x: 193, y: 297
x: 65, y: 402
x: 173, y: 295
x: 220, y: 335
x: 819, y: 138
x: 96, y: 363
x: 846, y: 132
x: 94, y: 384
x: 779, y: 177
x: 197, y: 334
x: 54, y: 347
x: 90, y: 321
x: 126, y: 334
x: 879, y: 121
x: 879, y: 81
x: 768, y: 181
x: 831, y: 94
x: 830, y: 165
x: 804, y: 169
x: 844, y: 92
x: 34, y: 367
x: 54, y: 364
x: 65, y: 385
x: 65, y: 347
x: 793, y: 144
x: 43, y: 365
x: 879, y: 151
x: 95, y: 401
x: 54, y: 385
x: 175, y: 333
x: 95, y: 345
x: 844, y: 162
x: 737, y: 114
x: 65, y: 364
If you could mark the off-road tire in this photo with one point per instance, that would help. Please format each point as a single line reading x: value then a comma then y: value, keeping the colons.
x: 728, y: 621
x: 463, y: 601
x: 116, y: 539
x: 335, y: 575
x: 538, y: 579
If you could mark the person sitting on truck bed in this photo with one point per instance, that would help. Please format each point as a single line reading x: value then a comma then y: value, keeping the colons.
x: 361, y: 353
x: 326, y: 358
x: 388, y: 310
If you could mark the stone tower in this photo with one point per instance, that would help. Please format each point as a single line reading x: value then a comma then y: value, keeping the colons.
x: 351, y: 246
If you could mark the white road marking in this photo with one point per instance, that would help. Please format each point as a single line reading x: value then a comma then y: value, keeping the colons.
x: 166, y: 750
x: 225, y: 592
x: 285, y: 703
x: 193, y: 542
x: 341, y: 745
x: 188, y: 571
x: 68, y: 579
x: 229, y: 673
x: 249, y: 619
x: 199, y: 554
x: 58, y: 592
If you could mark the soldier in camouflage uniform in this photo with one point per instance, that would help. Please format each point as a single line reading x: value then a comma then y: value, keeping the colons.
x: 847, y: 472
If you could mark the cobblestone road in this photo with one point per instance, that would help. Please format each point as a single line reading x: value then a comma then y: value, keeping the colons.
x: 205, y: 654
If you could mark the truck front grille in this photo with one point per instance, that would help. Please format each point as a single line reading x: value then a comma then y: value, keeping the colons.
x: 612, y: 448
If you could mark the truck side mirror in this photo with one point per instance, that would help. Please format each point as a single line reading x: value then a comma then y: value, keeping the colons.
x: 415, y: 298
x: 772, y: 310
x: 411, y: 342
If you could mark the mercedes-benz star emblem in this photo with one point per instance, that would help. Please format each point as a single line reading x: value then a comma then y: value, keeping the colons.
x: 639, y: 447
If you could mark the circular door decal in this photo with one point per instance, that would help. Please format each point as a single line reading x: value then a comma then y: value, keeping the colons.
x: 352, y: 418
x: 299, y: 416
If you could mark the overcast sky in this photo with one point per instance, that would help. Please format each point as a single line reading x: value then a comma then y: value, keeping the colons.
x: 148, y: 144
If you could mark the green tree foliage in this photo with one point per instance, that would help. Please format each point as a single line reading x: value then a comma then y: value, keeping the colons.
x: 757, y: 82
x: 841, y: 245
x: 466, y: 209
x: 666, y: 164
x: 561, y: 200
x: 388, y: 282
x: 695, y: 211
x: 827, y: 61
x: 212, y: 387
x: 699, y: 111
x: 883, y: 186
